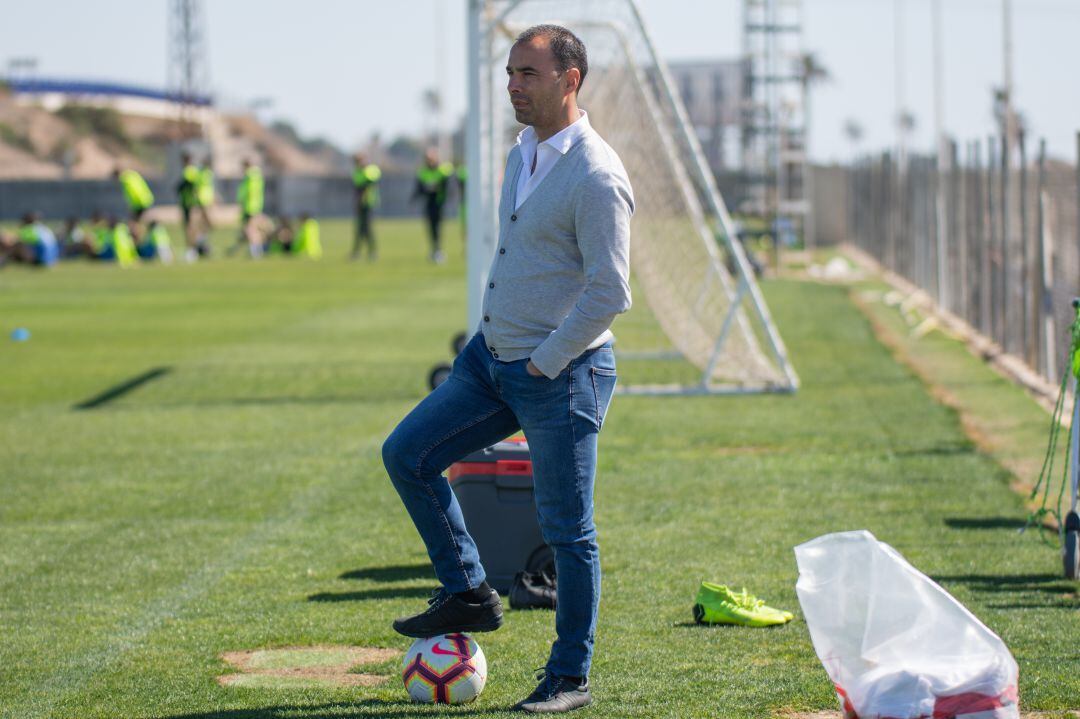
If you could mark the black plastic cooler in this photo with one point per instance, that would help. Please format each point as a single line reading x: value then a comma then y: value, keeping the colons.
x: 495, y: 489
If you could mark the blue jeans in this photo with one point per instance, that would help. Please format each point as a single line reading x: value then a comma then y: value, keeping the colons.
x: 484, y: 401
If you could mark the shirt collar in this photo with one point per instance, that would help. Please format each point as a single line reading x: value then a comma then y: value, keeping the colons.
x: 562, y: 140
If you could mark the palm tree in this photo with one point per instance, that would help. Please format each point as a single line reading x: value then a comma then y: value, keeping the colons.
x: 854, y: 132
x: 810, y: 72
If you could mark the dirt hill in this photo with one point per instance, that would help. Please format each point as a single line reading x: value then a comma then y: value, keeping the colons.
x: 80, y: 141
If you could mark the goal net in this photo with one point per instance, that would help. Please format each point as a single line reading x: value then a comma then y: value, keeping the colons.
x: 699, y: 323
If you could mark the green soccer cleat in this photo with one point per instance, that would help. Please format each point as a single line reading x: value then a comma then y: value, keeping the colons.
x: 716, y: 604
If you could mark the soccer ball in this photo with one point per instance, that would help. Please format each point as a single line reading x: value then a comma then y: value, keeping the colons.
x: 447, y: 669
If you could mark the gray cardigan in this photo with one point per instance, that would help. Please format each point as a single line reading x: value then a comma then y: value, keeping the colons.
x: 561, y: 271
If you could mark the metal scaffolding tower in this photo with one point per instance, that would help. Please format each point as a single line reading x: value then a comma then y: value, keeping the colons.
x: 189, y: 72
x: 774, y: 117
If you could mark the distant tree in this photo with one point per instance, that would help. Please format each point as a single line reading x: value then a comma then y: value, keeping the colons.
x: 104, y: 122
x: 315, y: 145
x: 406, y: 151
x: 1000, y: 107
x: 907, y: 122
x: 10, y: 136
x: 811, y: 73
x: 854, y: 132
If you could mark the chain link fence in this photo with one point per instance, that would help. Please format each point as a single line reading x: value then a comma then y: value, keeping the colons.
x: 991, y: 241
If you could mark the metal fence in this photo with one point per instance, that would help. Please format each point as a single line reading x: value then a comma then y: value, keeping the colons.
x: 996, y: 243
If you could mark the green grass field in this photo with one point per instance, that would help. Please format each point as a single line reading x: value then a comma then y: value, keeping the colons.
x: 236, y: 500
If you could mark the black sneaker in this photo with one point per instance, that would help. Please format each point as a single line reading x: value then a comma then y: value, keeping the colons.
x: 556, y: 694
x: 447, y: 614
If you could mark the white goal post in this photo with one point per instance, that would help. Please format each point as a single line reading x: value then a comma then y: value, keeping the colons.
x: 689, y: 269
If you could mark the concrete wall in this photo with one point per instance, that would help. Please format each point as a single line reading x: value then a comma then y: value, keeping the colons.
x: 829, y: 200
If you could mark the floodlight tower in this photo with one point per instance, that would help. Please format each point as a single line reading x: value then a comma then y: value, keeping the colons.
x: 774, y: 118
x: 189, y: 75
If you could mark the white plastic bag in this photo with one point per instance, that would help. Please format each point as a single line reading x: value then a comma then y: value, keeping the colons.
x: 895, y: 644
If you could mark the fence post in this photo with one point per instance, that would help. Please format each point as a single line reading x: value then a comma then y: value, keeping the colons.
x: 983, y: 273
x: 1003, y: 245
x: 888, y: 181
x: 958, y: 230
x: 1027, y: 285
x: 993, y: 216
x: 1045, y: 258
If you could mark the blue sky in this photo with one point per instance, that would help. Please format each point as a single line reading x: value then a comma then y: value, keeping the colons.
x: 348, y: 68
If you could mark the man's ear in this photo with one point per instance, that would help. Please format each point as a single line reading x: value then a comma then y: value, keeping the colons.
x: 573, y: 79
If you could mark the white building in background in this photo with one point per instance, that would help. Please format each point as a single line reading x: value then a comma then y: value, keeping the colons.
x: 53, y: 94
x: 714, y: 93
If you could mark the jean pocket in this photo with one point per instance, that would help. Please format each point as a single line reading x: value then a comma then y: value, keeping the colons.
x: 603, y: 384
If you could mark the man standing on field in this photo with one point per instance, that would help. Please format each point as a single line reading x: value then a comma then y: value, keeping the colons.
x: 541, y: 361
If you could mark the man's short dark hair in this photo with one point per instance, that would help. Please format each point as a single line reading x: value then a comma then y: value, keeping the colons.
x: 567, y: 47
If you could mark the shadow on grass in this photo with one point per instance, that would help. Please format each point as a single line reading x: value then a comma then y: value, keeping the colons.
x: 321, y: 399
x: 365, y: 594
x: 991, y: 523
x: 286, y: 400
x: 718, y: 627
x: 943, y: 450
x: 1068, y: 602
x: 339, y: 710
x: 1063, y: 591
x: 119, y: 390
x: 396, y: 573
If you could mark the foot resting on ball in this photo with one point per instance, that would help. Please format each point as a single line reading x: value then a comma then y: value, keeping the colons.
x: 448, y: 613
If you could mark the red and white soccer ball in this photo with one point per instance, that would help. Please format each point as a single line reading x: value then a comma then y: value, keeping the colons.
x: 447, y: 669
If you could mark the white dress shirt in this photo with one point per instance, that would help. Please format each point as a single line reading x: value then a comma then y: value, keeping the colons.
x: 538, y: 159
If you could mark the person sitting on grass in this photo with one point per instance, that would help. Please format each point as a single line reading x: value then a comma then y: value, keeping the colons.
x: 32, y: 244
x: 77, y: 242
x: 117, y: 244
x: 307, y: 238
x: 155, y: 244
x: 280, y: 238
x: 72, y: 238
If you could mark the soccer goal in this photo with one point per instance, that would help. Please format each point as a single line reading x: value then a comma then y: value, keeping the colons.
x: 700, y: 323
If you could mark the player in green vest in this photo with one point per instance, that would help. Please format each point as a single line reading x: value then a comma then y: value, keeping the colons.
x: 307, y: 238
x: 365, y: 178
x: 249, y: 196
x: 32, y: 244
x: 204, y: 190
x: 432, y: 180
x: 138, y: 195
x: 194, y: 214
x: 116, y: 243
x: 136, y: 191
x: 279, y: 241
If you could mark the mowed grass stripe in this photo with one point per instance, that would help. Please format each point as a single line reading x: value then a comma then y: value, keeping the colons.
x: 76, y: 671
